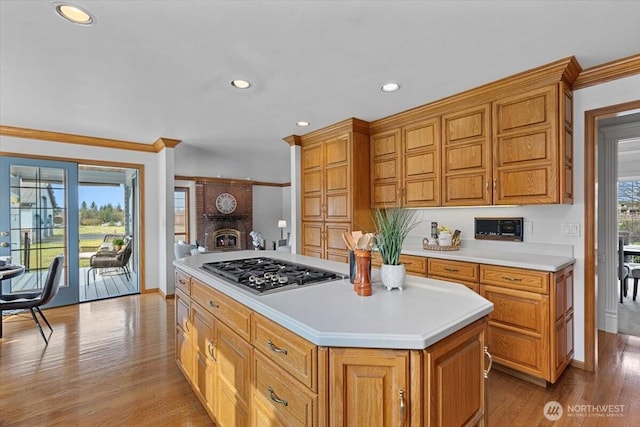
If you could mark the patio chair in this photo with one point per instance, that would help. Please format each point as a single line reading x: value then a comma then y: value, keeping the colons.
x: 106, y: 258
x: 33, y: 300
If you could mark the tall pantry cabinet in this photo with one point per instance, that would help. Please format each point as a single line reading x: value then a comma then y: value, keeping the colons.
x: 335, y: 187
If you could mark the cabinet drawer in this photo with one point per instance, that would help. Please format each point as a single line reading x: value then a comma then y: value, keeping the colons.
x: 525, y: 312
x: 518, y: 351
x: 292, y: 353
x: 234, y: 314
x: 279, y: 399
x: 515, y: 278
x: 414, y: 264
x: 183, y: 282
x: 457, y: 270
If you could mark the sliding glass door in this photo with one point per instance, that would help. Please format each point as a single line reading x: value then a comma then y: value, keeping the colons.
x: 38, y: 221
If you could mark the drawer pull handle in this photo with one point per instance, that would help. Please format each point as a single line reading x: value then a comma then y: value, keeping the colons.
x: 275, y: 398
x: 275, y: 349
x: 486, y: 352
x: 512, y: 279
x: 213, y: 304
x: 403, y: 409
x: 451, y: 270
x: 212, y: 348
x: 182, y: 282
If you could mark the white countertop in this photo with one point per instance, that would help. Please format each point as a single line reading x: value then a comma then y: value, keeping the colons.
x: 530, y: 261
x: 332, y: 314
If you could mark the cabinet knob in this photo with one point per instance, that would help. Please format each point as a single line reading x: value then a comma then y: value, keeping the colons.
x: 486, y: 352
x: 403, y: 408
x: 211, y: 347
x: 275, y: 398
x: 275, y: 349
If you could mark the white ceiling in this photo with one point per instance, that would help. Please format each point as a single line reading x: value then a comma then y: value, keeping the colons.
x: 150, y: 69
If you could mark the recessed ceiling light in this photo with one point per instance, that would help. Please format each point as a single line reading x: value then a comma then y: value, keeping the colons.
x: 390, y: 87
x: 73, y: 13
x: 240, y: 84
x: 302, y: 124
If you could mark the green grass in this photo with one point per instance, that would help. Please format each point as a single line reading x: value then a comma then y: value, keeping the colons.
x: 41, y: 254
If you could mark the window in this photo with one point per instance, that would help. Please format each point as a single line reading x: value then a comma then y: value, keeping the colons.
x: 181, y: 214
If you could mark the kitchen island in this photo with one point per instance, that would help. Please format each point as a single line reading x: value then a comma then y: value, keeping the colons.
x: 322, y: 355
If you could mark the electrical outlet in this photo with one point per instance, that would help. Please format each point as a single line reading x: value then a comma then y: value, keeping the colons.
x: 528, y: 228
x: 571, y: 229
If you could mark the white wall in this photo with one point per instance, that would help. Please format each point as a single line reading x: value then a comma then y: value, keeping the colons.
x: 269, y: 206
x: 591, y: 98
x: 153, y: 257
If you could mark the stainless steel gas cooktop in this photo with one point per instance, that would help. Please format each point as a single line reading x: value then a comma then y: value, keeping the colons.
x: 268, y: 275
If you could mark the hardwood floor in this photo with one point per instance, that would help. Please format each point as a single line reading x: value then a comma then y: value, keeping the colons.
x: 111, y: 363
x: 108, y: 363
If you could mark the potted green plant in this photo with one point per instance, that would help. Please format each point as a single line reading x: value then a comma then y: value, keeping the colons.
x: 392, y: 225
x: 117, y: 243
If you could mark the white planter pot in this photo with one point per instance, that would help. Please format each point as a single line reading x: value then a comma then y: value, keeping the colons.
x: 392, y: 276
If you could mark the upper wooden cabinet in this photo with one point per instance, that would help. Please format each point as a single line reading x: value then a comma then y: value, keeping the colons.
x: 533, y: 147
x: 466, y: 157
x: 506, y: 142
x: 405, y: 165
x: 335, y: 187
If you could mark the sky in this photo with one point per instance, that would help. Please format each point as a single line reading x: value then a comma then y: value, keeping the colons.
x: 102, y: 195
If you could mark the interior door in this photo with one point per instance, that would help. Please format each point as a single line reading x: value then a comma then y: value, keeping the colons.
x: 38, y: 221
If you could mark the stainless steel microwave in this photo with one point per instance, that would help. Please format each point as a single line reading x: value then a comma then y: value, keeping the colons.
x: 509, y: 229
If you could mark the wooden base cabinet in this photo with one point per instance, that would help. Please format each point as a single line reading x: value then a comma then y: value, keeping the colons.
x: 443, y: 385
x: 455, y: 374
x: 249, y: 371
x: 368, y: 387
x: 531, y: 326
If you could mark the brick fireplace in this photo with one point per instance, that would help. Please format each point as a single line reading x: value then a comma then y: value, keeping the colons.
x: 218, y: 228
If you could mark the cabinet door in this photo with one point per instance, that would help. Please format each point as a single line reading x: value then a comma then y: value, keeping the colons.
x: 368, y: 387
x: 336, y: 250
x: 203, y: 341
x: 455, y: 378
x: 184, y: 350
x: 233, y: 381
x: 312, y: 182
x: 466, y: 157
x: 562, y: 334
x: 386, y: 169
x: 421, y: 164
x: 527, y: 148
x: 312, y: 241
x: 337, y: 203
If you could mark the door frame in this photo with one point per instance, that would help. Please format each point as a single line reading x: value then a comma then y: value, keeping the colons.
x: 590, y: 235
x: 69, y: 294
x: 141, y: 194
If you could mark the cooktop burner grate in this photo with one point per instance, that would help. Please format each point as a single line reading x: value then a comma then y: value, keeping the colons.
x: 264, y: 275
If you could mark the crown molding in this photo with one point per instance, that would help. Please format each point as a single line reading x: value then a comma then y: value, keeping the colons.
x: 566, y: 69
x: 202, y: 179
x: 293, y: 140
x: 606, y: 72
x: 92, y: 141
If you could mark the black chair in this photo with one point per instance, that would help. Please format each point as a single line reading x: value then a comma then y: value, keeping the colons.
x: 33, y: 300
x: 624, y: 271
